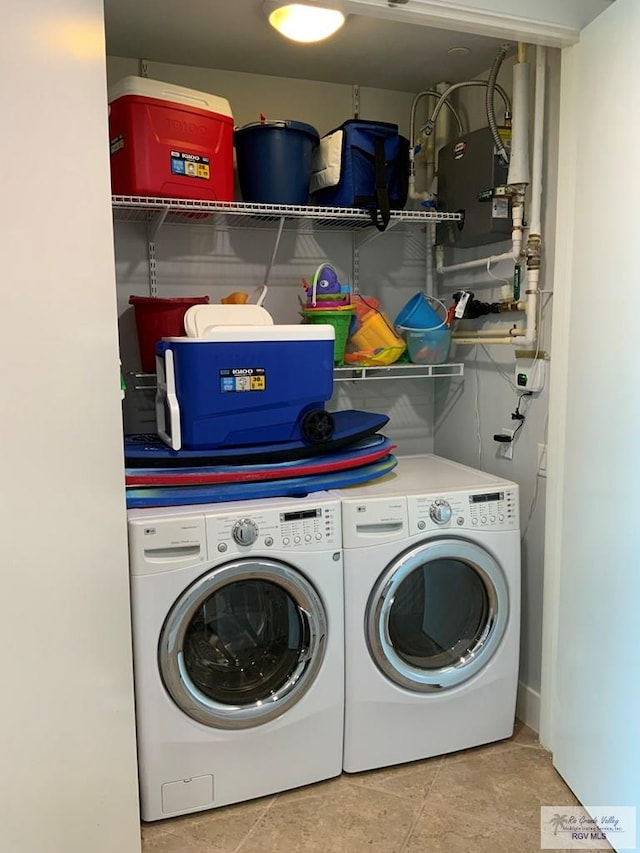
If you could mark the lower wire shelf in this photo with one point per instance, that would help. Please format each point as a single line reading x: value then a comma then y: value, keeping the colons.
x: 353, y: 372
x: 348, y: 373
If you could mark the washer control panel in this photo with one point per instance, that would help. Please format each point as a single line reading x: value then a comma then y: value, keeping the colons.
x: 310, y: 528
x: 482, y: 510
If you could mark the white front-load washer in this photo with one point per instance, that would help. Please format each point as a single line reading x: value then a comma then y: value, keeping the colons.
x: 432, y: 612
x: 238, y: 644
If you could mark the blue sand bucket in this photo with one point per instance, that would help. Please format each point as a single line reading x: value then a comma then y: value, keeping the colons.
x: 418, y: 314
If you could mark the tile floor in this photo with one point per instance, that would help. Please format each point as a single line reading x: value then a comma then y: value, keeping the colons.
x: 483, y: 800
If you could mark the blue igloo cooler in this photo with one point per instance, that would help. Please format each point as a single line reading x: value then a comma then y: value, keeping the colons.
x: 245, y: 385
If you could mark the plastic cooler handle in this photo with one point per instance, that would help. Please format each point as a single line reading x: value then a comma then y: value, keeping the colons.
x: 166, y: 399
x: 181, y: 95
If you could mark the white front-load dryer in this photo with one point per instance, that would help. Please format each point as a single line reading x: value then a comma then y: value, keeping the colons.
x: 237, y: 614
x: 432, y: 612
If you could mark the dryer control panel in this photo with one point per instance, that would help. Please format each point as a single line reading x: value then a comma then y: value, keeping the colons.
x: 482, y: 510
x: 309, y: 528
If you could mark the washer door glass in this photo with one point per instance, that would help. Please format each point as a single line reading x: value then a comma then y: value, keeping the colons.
x: 437, y: 614
x: 243, y: 644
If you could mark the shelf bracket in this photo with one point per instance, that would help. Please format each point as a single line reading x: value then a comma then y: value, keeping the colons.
x: 355, y: 100
x: 154, y: 224
x: 355, y: 268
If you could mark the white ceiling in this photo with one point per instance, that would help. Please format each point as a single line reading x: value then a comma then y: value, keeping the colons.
x: 369, y: 50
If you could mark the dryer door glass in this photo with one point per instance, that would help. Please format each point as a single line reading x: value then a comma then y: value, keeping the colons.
x: 243, y: 644
x: 437, y: 614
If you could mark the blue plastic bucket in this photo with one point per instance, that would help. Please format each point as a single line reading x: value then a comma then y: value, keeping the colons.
x: 274, y: 161
x: 418, y: 314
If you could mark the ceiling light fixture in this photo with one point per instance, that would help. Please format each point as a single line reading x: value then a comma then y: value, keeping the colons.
x: 303, y: 23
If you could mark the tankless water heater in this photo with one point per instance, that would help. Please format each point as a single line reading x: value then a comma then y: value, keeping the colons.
x: 471, y: 181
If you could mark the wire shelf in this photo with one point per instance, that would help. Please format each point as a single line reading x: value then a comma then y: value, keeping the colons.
x: 397, y: 371
x: 240, y: 214
x: 147, y: 381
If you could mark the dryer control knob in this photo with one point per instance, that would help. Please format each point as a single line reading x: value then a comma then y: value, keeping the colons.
x: 440, y: 512
x: 245, y: 531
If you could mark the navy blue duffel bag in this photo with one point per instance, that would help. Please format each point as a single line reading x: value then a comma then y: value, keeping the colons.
x: 362, y: 164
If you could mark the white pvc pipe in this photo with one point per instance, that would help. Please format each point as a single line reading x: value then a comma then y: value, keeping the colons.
x: 470, y: 339
x: 538, y: 139
x: 479, y: 262
x: 512, y: 331
x: 519, y: 158
x: 533, y: 276
x: 517, y: 221
x: 443, y: 123
x: 535, y: 229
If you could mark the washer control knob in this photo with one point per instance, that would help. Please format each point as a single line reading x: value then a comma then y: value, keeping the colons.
x: 422, y: 525
x: 245, y: 531
x: 440, y: 512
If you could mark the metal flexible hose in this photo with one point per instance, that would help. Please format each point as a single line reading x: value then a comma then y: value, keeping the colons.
x: 491, y: 116
x: 430, y: 125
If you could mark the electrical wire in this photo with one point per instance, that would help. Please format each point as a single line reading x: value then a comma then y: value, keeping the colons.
x: 496, y: 277
x: 540, y: 325
x: 502, y: 373
x: 518, y: 415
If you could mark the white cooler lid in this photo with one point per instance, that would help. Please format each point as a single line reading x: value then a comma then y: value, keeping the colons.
x: 147, y: 88
x: 255, y: 334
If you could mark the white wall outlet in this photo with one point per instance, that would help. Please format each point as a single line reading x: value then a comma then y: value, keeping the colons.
x: 530, y: 374
x: 505, y: 448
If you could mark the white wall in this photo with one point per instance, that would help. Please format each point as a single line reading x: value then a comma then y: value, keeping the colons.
x: 592, y: 695
x: 66, y: 716
x: 206, y: 259
x: 485, y: 405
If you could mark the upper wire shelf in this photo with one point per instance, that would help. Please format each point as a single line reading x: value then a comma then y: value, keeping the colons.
x: 241, y: 214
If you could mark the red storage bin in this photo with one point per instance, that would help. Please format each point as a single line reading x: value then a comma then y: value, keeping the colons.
x: 170, y: 141
x: 159, y: 318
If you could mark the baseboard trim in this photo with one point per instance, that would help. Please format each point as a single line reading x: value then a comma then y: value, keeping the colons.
x: 528, y: 706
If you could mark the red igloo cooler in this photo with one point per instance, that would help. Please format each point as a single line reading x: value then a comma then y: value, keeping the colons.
x: 169, y: 141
